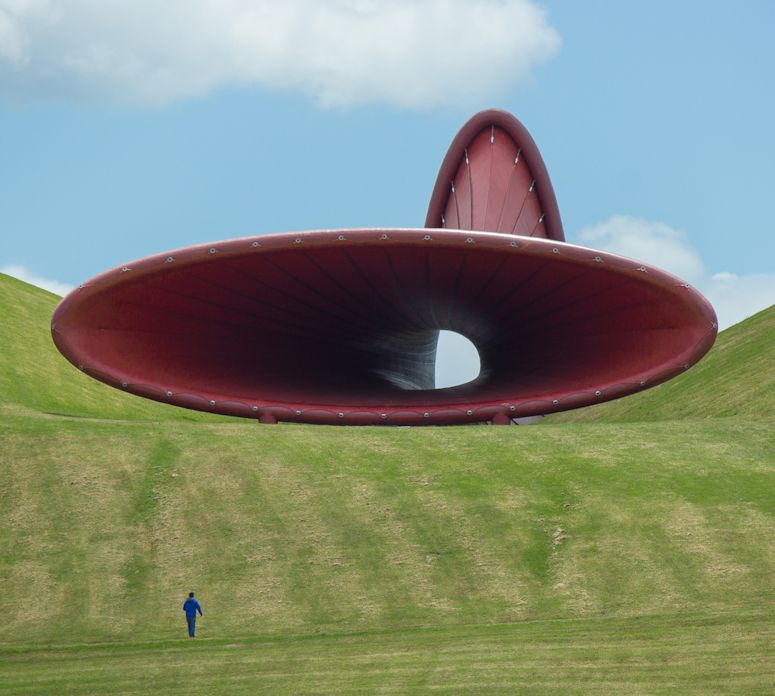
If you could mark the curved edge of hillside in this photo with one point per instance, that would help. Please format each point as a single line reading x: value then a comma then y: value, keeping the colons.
x: 736, y: 378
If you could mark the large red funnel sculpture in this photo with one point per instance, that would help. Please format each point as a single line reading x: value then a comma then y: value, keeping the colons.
x: 341, y: 326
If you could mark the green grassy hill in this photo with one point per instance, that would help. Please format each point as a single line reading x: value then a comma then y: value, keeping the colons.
x: 573, y: 557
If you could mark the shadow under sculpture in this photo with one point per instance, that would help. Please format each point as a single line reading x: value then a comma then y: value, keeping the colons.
x: 341, y: 327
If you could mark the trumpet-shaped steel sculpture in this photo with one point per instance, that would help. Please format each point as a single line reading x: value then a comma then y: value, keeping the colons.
x: 341, y: 326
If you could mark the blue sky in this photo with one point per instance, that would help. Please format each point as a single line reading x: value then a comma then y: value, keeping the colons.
x: 128, y: 128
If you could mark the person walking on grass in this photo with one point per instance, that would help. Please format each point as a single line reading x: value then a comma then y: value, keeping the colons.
x: 191, y: 606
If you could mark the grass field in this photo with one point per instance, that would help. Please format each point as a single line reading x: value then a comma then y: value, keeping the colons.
x: 576, y: 557
x: 680, y: 653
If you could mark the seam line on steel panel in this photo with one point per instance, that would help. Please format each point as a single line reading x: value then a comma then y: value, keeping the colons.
x: 367, y: 307
x: 610, y: 312
x: 489, y: 281
x: 457, y: 208
x: 456, y: 290
x: 491, y: 151
x: 574, y: 302
x: 579, y: 301
x: 512, y: 178
x: 210, y: 303
x: 538, y: 222
x: 604, y: 315
x: 597, y: 333
x: 249, y: 313
x: 300, y: 302
x: 402, y: 290
x: 470, y: 190
x: 514, y: 290
x: 294, y: 278
x: 388, y: 305
x: 263, y: 320
x: 522, y: 206
x: 315, y: 292
x: 617, y: 310
x: 393, y: 319
x: 431, y: 302
x: 448, y: 208
x: 545, y: 295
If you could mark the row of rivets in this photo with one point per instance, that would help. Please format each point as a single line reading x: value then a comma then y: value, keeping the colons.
x: 383, y: 416
x: 427, y: 238
x: 385, y: 237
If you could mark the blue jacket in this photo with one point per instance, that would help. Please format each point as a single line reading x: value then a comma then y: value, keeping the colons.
x: 191, y: 607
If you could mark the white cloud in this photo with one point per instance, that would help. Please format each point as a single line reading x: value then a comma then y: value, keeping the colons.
x: 22, y: 273
x: 411, y: 54
x: 641, y: 239
x: 734, y: 297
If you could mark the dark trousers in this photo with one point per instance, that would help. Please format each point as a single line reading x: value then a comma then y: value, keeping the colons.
x: 191, y: 625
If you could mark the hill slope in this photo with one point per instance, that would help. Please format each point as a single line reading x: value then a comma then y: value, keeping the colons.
x: 611, y: 545
x: 34, y: 375
x: 303, y: 528
x: 736, y: 378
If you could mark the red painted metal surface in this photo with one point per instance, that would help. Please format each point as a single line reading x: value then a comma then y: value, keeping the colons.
x: 341, y: 326
x: 493, y: 178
